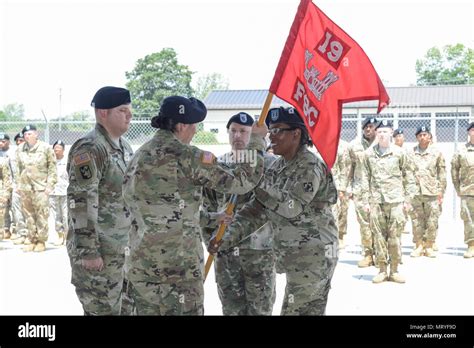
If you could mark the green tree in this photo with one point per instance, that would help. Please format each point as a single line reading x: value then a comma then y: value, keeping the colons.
x: 155, y: 77
x: 451, y: 65
x: 207, y: 83
x: 14, y: 112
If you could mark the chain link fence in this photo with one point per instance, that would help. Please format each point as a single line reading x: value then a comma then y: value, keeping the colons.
x: 448, y: 129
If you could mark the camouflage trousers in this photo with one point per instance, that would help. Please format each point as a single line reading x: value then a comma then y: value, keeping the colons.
x: 364, y: 222
x: 183, y: 298
x: 99, y: 291
x: 3, y: 209
x: 58, y: 210
x: 424, y: 217
x: 387, y: 221
x: 35, y: 206
x: 340, y: 213
x: 7, y: 220
x: 18, y: 225
x: 309, y: 270
x: 467, y: 215
x: 246, y: 281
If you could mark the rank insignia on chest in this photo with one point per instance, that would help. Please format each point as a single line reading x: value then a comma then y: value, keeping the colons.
x: 308, y: 187
x: 81, y: 158
x: 85, y: 172
x: 207, y: 158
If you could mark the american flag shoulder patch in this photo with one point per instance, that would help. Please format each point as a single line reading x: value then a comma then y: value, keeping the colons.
x: 82, y: 158
x: 207, y: 157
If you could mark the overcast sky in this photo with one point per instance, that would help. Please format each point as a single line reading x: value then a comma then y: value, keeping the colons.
x: 80, y: 46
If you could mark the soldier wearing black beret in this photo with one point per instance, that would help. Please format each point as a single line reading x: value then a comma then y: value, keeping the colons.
x: 98, y: 236
x: 398, y: 137
x: 397, y: 132
x: 355, y: 171
x: 422, y: 129
x: 471, y: 125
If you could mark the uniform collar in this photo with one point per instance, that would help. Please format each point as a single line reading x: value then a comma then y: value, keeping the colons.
x: 106, y: 135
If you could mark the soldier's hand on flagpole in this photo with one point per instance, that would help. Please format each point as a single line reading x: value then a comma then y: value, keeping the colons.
x: 96, y: 264
x: 222, y: 217
x: 214, y: 245
x: 260, y: 130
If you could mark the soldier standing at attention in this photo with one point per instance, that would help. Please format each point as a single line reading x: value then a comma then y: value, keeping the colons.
x: 462, y: 173
x: 98, y: 223
x: 355, y: 189
x: 245, y: 273
x: 390, y: 189
x: 36, y: 172
x: 5, y: 191
x: 340, y: 172
x: 5, y: 155
x: 163, y: 193
x: 295, y: 196
x: 57, y: 199
x: 429, y: 170
x: 19, y: 231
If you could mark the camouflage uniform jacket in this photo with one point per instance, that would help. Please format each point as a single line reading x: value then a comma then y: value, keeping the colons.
x: 340, y: 170
x: 388, y: 176
x: 36, y: 167
x: 462, y: 170
x: 215, y: 201
x: 5, y: 182
x: 163, y: 191
x: 430, y: 171
x: 98, y: 222
x: 295, y: 196
x: 356, y: 154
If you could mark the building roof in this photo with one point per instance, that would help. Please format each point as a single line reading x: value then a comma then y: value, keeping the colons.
x: 420, y: 96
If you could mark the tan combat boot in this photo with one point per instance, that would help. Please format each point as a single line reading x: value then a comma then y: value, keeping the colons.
x: 7, y: 234
x: 1, y: 235
x: 394, y: 275
x: 367, y: 260
x: 429, y: 252
x: 29, y: 247
x: 435, y: 246
x: 470, y: 250
x: 19, y: 240
x: 39, y: 247
x: 382, y: 276
x: 418, y: 251
x: 14, y: 236
x: 60, y: 240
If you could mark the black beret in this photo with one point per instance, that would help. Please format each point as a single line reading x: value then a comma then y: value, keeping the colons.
x: 470, y: 126
x: 241, y: 118
x: 30, y: 127
x: 18, y: 136
x: 369, y: 120
x: 110, y: 97
x: 4, y: 136
x: 284, y: 115
x: 182, y: 110
x: 59, y: 142
x: 397, y: 132
x: 384, y: 124
x: 422, y: 129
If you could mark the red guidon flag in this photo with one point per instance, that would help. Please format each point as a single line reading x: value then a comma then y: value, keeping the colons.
x: 320, y: 68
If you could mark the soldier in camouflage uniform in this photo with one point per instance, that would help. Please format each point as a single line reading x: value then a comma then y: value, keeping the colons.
x: 339, y: 171
x: 57, y: 199
x: 5, y: 190
x: 19, y: 231
x: 355, y: 189
x: 462, y: 173
x: 245, y: 273
x: 5, y: 153
x: 295, y: 196
x: 163, y: 192
x: 430, y: 173
x: 98, y: 223
x: 36, y: 173
x: 391, y: 186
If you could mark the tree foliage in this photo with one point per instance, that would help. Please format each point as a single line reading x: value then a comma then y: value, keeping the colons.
x: 155, y: 77
x: 451, y: 65
x: 205, y: 84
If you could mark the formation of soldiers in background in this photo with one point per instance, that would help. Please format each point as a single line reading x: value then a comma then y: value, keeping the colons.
x: 387, y: 182
x: 34, y: 184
